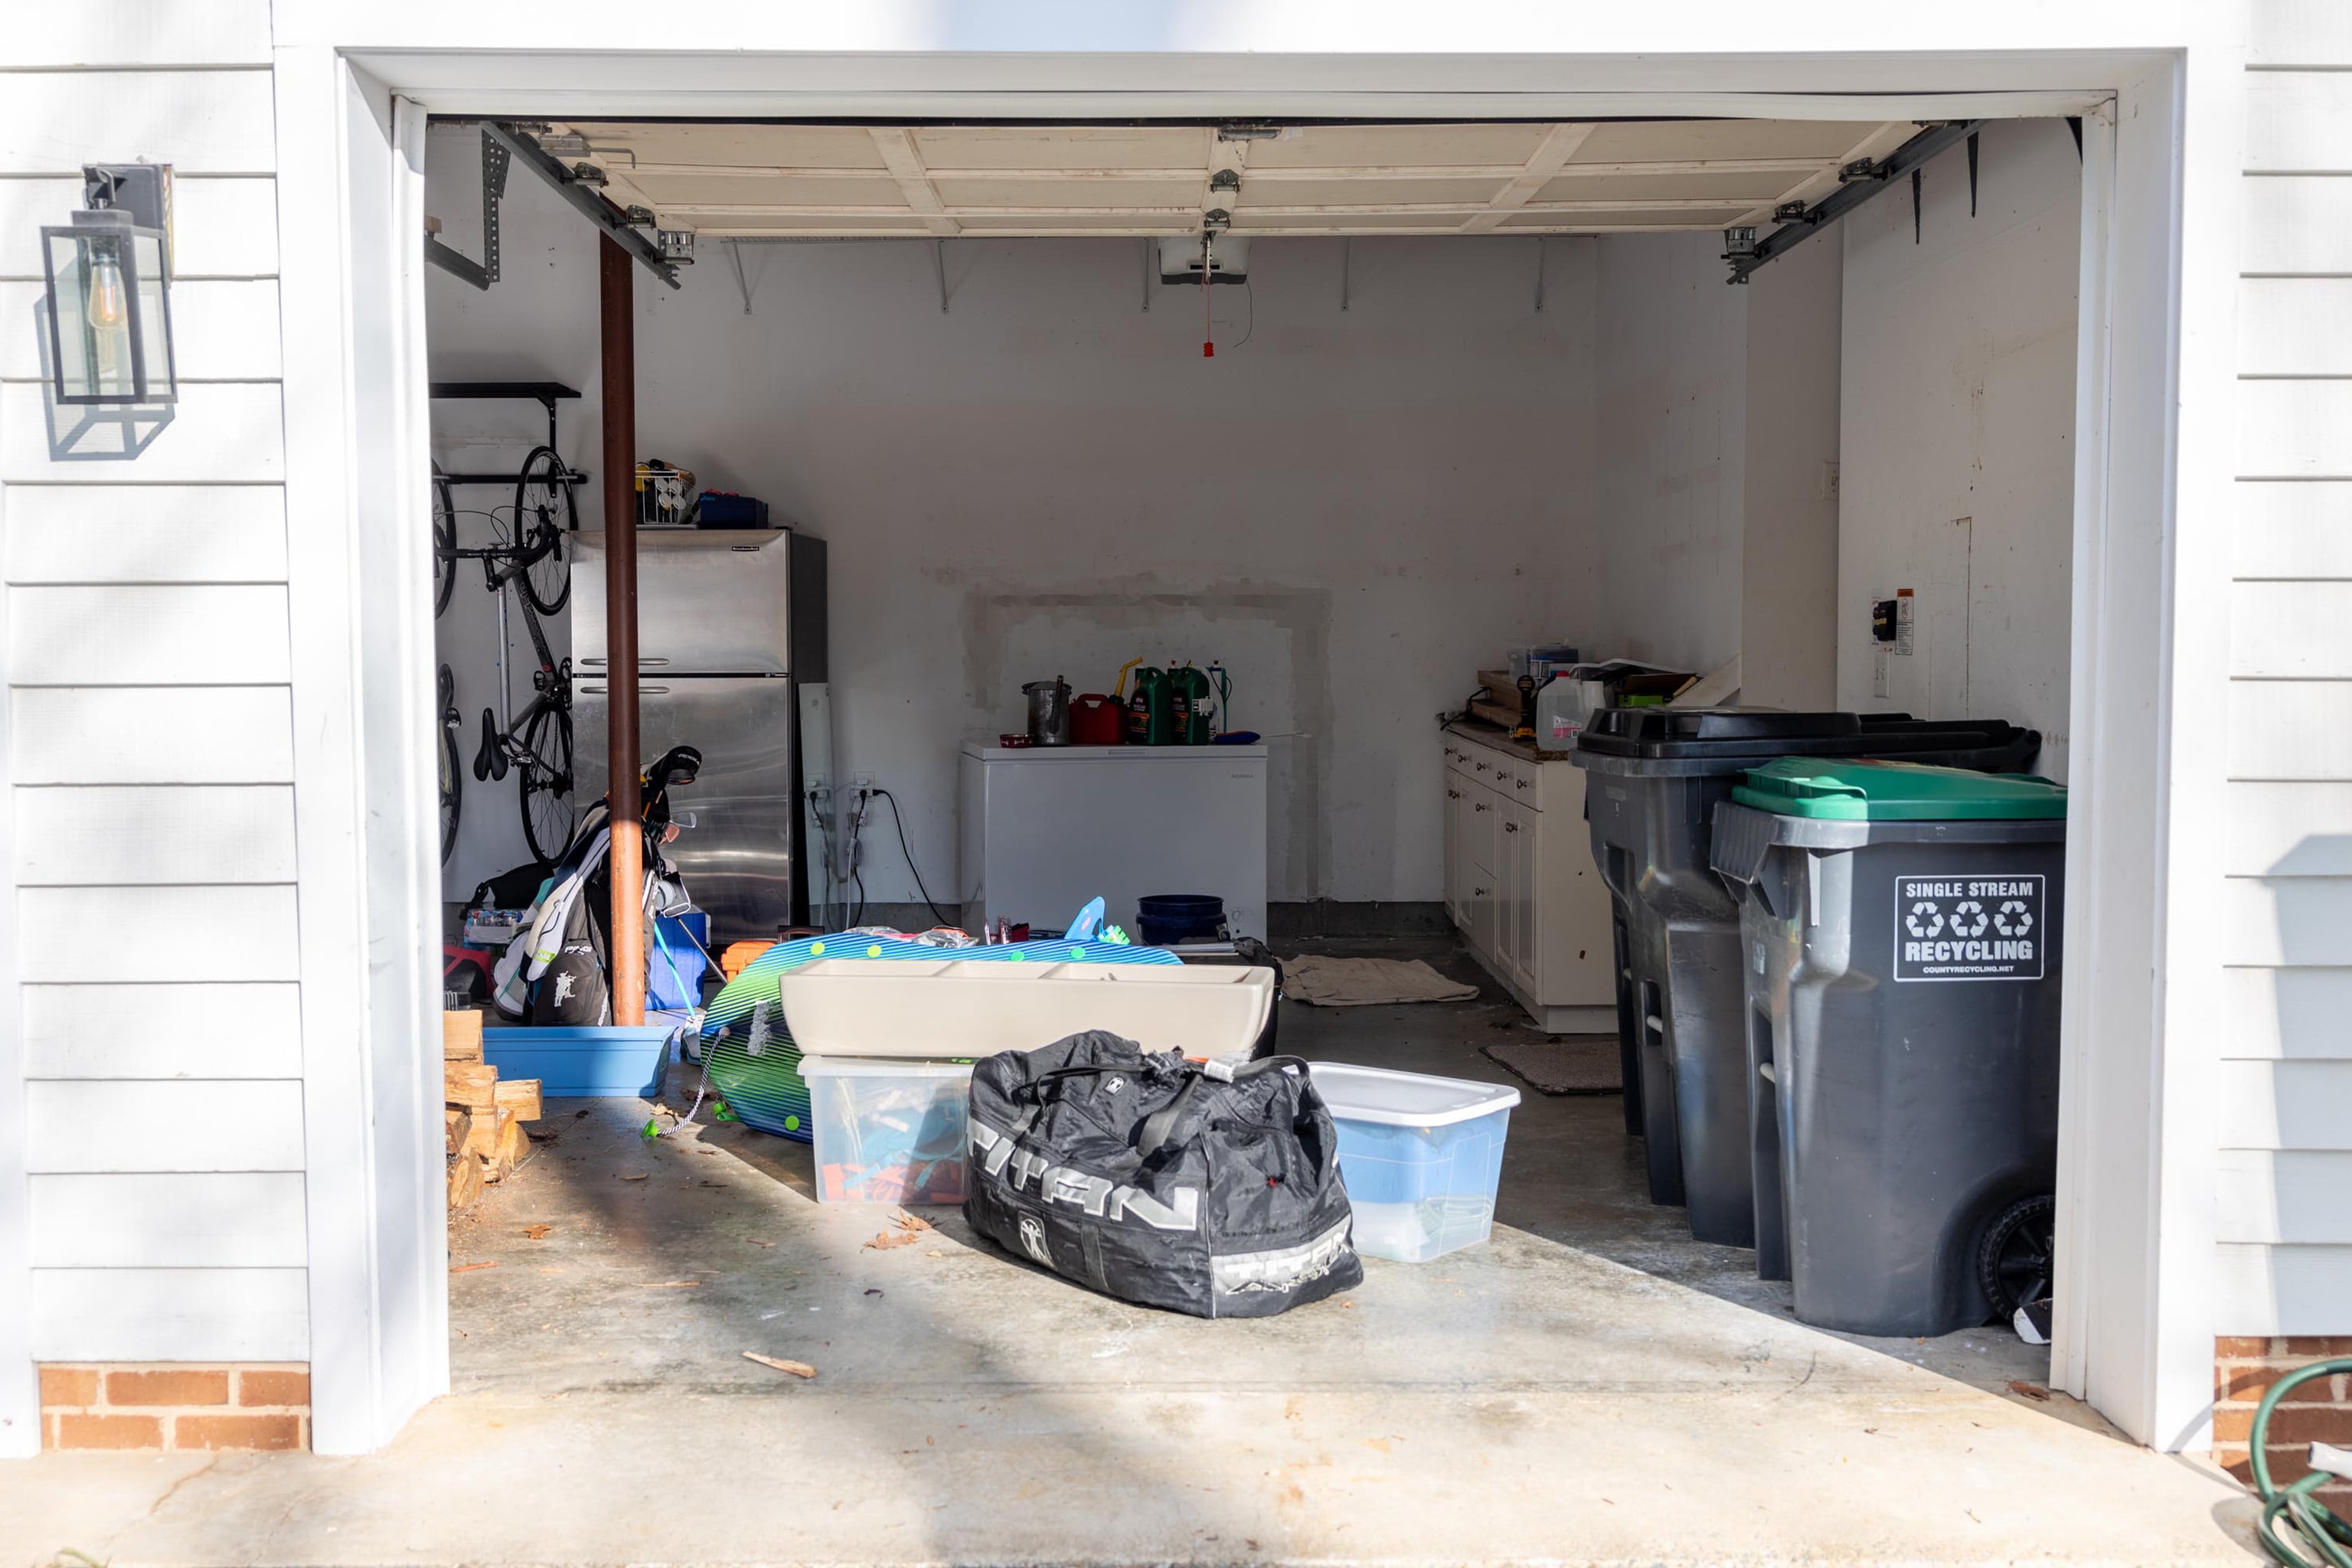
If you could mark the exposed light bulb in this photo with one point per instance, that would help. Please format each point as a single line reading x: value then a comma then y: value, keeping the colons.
x: 109, y: 305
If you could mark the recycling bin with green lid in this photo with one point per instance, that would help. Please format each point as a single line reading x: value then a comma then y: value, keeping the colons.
x: 1901, y: 927
x: 1656, y: 776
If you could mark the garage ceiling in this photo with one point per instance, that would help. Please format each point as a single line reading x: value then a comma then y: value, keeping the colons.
x: 1579, y: 177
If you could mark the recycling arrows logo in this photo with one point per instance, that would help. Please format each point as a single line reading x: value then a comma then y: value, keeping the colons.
x: 1969, y: 918
x: 2012, y: 919
x: 1933, y: 925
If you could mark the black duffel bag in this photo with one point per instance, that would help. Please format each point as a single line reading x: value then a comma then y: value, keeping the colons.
x: 1202, y: 1188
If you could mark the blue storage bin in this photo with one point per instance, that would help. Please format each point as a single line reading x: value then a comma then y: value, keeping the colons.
x: 601, y: 1062
x: 1421, y: 1156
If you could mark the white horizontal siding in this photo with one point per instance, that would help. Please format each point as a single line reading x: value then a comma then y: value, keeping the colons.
x: 2287, y: 922
x: 2284, y: 1105
x: 220, y: 228
x: 2273, y: 1013
x: 2300, y: 530
x: 2299, y: 32
x: 2292, y: 630
x: 222, y: 330
x: 170, y: 1314
x: 123, y: 1220
x: 2281, y: 1290
x: 2294, y: 1197
x: 143, y: 33
x: 2296, y: 121
x: 144, y: 533
x: 114, y: 835
x: 216, y: 431
x: 139, y: 934
x: 2295, y: 223
x: 2295, y: 429
x: 2289, y: 830
x: 2290, y: 729
x: 189, y: 1125
x: 2292, y: 326
x: 201, y: 123
x: 149, y: 634
x: 199, y: 1029
x: 147, y: 735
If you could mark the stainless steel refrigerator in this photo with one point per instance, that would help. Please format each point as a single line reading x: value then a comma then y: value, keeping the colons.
x: 730, y: 630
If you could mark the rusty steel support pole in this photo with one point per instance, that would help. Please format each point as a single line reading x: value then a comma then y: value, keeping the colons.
x: 616, y: 297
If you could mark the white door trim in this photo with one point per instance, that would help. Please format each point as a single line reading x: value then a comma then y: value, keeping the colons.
x: 350, y: 197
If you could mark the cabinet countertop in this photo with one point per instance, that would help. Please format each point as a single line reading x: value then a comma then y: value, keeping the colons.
x: 1495, y: 738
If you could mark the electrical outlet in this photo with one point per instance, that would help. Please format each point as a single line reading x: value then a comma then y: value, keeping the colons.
x: 861, y: 781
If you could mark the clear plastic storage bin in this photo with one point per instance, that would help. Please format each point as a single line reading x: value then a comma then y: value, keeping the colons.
x: 1421, y: 1156
x: 887, y: 1132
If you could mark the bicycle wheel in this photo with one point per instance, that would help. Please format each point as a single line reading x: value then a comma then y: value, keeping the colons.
x: 543, y: 516
x: 445, y: 542
x: 453, y: 781
x: 547, y: 816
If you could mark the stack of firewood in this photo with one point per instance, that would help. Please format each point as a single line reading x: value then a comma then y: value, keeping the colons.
x: 484, y: 1117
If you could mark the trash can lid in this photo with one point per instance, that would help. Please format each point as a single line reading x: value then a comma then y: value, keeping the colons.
x: 1861, y: 790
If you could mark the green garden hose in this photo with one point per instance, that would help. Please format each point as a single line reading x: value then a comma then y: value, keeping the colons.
x: 2317, y: 1537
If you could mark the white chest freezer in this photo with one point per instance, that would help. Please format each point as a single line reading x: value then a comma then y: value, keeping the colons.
x: 1046, y: 828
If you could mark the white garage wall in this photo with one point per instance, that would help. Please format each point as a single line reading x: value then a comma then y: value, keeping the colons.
x: 1957, y: 442
x: 1671, y: 449
x: 1352, y: 509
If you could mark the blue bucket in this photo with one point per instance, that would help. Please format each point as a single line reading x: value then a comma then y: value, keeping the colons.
x: 587, y: 1062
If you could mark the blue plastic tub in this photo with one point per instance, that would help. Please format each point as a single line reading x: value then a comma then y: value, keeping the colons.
x: 603, y: 1062
x: 1421, y: 1156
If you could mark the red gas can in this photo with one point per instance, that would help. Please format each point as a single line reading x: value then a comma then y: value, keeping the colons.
x: 1097, y: 720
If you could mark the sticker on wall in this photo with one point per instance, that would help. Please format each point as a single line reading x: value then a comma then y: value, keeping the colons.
x: 1968, y: 928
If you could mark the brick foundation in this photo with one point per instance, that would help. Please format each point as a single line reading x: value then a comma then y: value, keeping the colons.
x: 176, y: 1405
x: 2319, y: 1411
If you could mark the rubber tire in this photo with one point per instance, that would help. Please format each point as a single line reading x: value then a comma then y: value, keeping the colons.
x: 453, y: 792
x: 444, y: 541
x: 2041, y: 1212
x: 541, y: 743
x: 453, y: 776
x: 542, y: 536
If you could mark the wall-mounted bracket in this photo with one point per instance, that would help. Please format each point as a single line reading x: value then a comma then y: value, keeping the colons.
x: 1859, y: 181
x: 609, y: 219
x: 484, y: 273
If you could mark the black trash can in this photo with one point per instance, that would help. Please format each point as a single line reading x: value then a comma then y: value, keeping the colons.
x: 1901, y: 926
x: 1658, y: 775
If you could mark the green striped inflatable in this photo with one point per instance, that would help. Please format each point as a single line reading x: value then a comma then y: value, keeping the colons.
x: 767, y: 1090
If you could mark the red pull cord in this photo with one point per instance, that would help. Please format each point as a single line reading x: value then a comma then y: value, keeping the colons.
x: 1208, y: 324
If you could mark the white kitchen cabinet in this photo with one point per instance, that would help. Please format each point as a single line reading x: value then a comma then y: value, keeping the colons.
x: 1520, y: 883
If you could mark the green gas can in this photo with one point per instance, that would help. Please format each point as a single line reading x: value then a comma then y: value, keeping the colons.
x: 1150, y: 719
x: 1191, y: 712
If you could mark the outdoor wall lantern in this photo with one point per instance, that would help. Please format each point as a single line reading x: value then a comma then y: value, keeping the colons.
x: 109, y: 298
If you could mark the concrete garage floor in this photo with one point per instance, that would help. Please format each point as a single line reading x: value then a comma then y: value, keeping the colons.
x: 1591, y: 1387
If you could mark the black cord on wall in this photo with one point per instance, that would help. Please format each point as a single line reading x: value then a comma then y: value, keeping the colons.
x: 900, y: 823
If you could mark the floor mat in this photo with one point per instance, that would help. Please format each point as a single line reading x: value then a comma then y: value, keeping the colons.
x: 1574, y: 1064
x: 1367, y: 982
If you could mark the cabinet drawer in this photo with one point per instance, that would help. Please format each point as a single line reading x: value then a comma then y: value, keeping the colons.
x: 1484, y: 766
x: 1526, y: 787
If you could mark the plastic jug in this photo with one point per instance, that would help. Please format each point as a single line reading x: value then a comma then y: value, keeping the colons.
x: 1192, y: 714
x: 1150, y: 720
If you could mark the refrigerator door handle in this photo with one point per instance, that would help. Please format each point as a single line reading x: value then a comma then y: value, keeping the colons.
x: 643, y: 660
x: 643, y: 690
